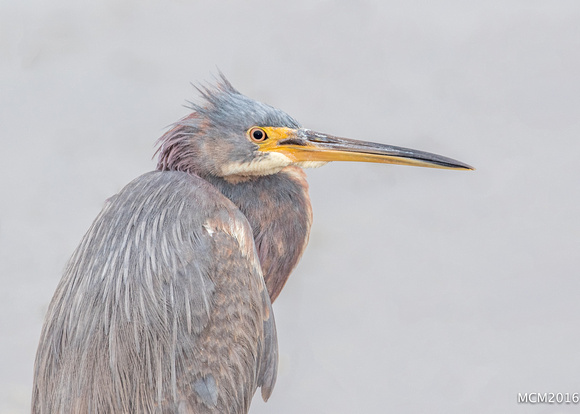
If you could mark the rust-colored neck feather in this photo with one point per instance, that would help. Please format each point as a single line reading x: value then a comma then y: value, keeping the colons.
x: 278, y: 209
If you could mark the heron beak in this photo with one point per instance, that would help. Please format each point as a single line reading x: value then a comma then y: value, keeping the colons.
x: 304, y: 145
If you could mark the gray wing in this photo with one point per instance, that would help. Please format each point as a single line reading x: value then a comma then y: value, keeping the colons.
x: 162, y: 308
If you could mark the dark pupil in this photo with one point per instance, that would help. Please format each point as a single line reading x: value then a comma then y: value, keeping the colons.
x: 258, y: 135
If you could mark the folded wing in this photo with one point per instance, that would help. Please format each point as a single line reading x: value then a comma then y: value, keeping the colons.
x: 162, y: 308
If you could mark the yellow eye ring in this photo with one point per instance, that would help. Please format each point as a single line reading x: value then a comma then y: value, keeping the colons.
x: 257, y: 134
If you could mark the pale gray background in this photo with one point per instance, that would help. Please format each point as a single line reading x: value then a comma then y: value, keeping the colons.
x: 421, y: 290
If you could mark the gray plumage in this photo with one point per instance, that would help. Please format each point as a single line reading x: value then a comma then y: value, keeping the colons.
x: 146, y: 313
x: 165, y: 306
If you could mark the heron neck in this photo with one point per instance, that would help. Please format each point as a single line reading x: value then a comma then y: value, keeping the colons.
x: 278, y: 209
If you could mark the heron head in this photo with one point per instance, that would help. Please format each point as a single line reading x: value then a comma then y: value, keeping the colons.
x: 224, y: 135
x: 232, y: 136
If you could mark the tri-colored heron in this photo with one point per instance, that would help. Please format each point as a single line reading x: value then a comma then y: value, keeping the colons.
x: 165, y: 306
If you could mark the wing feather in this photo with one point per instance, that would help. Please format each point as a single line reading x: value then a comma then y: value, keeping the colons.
x: 162, y: 308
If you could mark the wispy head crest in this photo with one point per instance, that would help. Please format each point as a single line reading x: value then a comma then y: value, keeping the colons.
x: 209, y: 92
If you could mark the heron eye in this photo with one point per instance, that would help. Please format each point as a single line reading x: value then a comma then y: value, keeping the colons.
x: 258, y: 134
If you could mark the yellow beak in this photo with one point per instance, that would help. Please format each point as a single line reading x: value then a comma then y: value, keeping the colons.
x: 303, y: 145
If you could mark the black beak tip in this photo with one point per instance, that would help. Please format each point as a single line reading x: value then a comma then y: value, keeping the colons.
x: 467, y: 167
